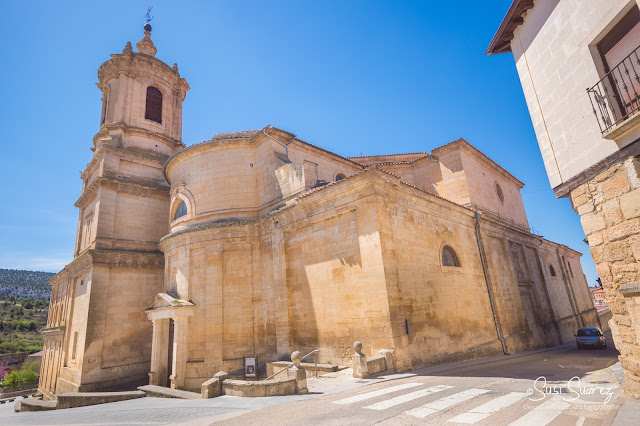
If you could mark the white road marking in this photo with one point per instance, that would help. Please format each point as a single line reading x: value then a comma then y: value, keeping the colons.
x: 491, y: 407
x: 383, y: 405
x: 446, y: 402
x: 373, y: 394
x: 544, y: 413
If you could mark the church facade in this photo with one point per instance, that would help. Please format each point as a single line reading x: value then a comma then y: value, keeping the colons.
x: 258, y: 243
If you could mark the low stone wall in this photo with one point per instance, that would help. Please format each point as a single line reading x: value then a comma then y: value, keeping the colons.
x: 309, y: 368
x: 246, y: 388
x: 604, y: 315
x: 376, y: 365
x: 18, y: 391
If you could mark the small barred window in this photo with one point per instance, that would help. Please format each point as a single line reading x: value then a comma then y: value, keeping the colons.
x: 181, y: 210
x: 153, y: 109
x: 552, y: 271
x: 449, y: 257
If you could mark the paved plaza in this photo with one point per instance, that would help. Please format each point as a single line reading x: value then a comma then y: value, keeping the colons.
x: 491, y: 391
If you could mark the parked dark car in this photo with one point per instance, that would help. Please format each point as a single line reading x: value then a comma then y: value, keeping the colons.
x: 590, y: 337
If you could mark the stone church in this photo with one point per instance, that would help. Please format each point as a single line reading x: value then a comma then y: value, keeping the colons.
x: 188, y: 259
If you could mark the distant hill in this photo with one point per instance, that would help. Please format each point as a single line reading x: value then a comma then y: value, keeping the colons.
x: 25, y: 284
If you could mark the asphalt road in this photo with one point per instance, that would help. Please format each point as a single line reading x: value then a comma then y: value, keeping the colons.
x: 492, y: 393
x: 510, y: 391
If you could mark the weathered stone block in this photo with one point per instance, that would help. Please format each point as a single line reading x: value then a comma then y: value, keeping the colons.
x: 630, y: 204
x: 592, y: 222
x: 612, y: 212
x: 623, y: 230
x: 616, y: 185
x: 211, y: 388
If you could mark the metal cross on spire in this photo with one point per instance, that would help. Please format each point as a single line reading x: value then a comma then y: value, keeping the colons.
x: 147, y: 16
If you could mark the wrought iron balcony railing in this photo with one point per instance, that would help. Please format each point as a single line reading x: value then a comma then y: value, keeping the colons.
x: 616, y: 96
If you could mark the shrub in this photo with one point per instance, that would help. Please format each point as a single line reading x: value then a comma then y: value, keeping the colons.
x: 27, y: 375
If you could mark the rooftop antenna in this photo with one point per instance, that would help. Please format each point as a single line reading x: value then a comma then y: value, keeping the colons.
x: 148, y: 18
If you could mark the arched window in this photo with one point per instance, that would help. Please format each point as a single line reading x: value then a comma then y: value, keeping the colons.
x: 449, y: 257
x: 552, y: 271
x: 499, y: 192
x: 153, y: 109
x: 181, y: 210
x: 339, y: 176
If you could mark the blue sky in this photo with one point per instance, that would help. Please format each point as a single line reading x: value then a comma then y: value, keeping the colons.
x: 371, y: 77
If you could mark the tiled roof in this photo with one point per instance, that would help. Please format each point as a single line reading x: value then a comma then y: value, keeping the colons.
x: 390, y: 155
x: 319, y: 188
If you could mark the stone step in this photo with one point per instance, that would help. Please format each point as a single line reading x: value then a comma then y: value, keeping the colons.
x: 163, y: 392
x: 81, y: 399
x: 32, y: 404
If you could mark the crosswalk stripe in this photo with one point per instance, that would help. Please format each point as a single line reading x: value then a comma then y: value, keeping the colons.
x: 446, y: 402
x: 373, y: 394
x: 491, y: 407
x: 383, y: 405
x: 544, y: 413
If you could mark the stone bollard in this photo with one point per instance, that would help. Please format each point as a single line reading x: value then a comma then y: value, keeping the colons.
x: 360, y: 369
x: 298, y: 372
x: 389, y: 360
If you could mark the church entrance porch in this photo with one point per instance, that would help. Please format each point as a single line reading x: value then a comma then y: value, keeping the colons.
x: 170, y: 318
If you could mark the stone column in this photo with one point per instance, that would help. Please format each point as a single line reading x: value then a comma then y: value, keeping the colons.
x: 360, y: 369
x: 180, y: 325
x: 158, y: 373
x: 298, y: 372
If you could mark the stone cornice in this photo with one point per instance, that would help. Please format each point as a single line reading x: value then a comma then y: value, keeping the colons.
x: 160, y: 159
x: 131, y: 183
x: 76, y: 266
x: 135, y: 131
x: 139, y: 64
x: 127, y: 258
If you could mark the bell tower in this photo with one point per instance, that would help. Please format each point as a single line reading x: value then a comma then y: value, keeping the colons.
x: 103, y: 337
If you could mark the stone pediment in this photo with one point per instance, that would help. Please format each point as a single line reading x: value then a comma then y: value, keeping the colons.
x: 165, y: 300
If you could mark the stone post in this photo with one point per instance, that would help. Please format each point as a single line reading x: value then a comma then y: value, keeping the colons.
x: 360, y: 369
x: 388, y: 359
x: 298, y: 372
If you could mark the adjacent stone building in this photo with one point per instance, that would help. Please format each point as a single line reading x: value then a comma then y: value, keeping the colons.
x: 259, y: 243
x: 579, y: 65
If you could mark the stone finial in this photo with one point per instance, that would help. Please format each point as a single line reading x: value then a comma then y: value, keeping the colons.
x: 174, y: 68
x: 128, y: 48
x: 146, y: 45
x: 360, y: 369
x: 296, y: 357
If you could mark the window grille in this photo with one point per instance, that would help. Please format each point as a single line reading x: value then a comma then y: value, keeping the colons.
x: 449, y: 257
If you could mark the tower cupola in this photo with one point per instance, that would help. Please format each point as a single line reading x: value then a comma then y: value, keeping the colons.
x: 142, y: 99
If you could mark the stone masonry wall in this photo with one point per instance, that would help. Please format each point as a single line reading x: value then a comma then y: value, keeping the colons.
x: 609, y: 206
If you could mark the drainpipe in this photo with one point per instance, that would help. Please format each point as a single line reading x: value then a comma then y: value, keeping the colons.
x: 286, y: 148
x: 486, y: 280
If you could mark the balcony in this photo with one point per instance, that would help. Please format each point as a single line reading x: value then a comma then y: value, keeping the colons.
x: 615, y: 99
